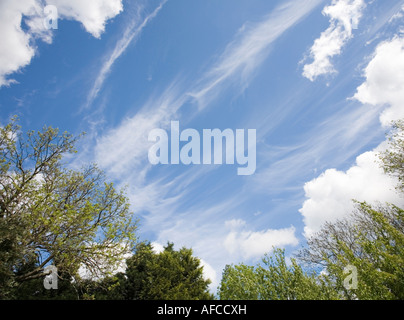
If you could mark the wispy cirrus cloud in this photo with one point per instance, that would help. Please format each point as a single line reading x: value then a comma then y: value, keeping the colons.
x: 248, y: 50
x: 122, y: 151
x: 130, y: 35
x: 125, y: 147
x: 334, y: 141
x: 238, y: 61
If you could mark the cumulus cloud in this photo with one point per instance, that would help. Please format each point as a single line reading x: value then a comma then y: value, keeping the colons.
x: 384, y: 83
x: 15, y: 49
x: 209, y: 274
x: 253, y: 244
x: 157, y: 247
x: 330, y: 195
x: 344, y: 17
x: 17, y: 43
x: 93, y: 14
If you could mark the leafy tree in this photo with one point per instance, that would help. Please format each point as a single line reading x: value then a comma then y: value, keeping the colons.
x: 34, y: 289
x: 168, y: 275
x: 239, y: 282
x: 52, y: 214
x: 371, y: 240
x: 393, y: 157
x: 273, y: 279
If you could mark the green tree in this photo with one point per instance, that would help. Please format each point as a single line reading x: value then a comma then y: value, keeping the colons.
x: 273, y: 279
x: 393, y: 157
x: 176, y: 275
x: 50, y: 214
x: 168, y: 275
x: 371, y: 240
x: 369, y: 243
x: 239, y: 282
x: 138, y: 272
x: 34, y: 289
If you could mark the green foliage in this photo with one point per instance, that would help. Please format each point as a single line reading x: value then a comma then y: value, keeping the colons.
x: 393, y: 157
x: 75, y: 218
x: 176, y: 275
x: 239, y: 282
x: 34, y: 289
x: 138, y: 272
x: 272, y: 279
x: 377, y: 252
x: 51, y: 214
x: 371, y: 241
x: 168, y: 275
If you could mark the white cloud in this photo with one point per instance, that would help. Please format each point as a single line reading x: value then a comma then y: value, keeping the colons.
x: 243, y: 55
x: 397, y: 15
x: 157, y: 247
x: 131, y: 34
x: 17, y: 44
x: 235, y: 223
x: 254, y: 244
x: 125, y: 147
x: 122, y: 151
x: 344, y: 17
x: 384, y: 83
x: 336, y: 140
x: 210, y: 274
x: 330, y: 195
x: 93, y: 14
x: 15, y: 48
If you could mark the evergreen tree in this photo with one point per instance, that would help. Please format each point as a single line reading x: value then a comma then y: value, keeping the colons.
x: 168, y: 275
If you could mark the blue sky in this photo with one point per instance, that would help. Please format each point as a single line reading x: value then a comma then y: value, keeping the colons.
x: 320, y: 82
